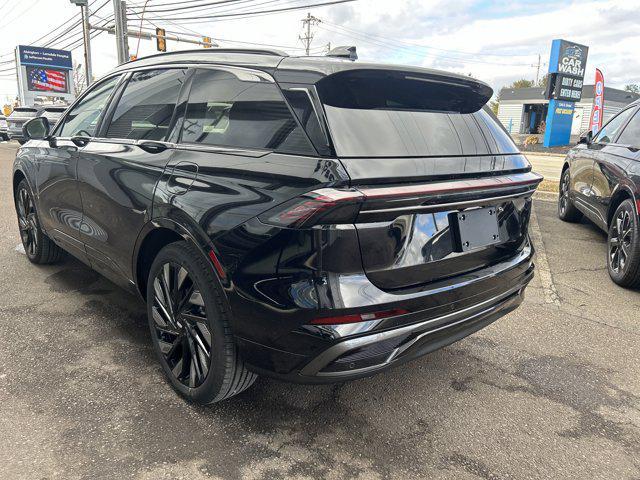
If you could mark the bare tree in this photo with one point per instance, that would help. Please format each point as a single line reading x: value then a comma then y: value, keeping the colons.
x: 79, y: 80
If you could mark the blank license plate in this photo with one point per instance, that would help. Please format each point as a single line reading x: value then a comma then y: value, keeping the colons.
x: 477, y: 228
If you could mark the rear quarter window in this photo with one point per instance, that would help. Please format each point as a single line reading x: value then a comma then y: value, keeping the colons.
x: 229, y: 111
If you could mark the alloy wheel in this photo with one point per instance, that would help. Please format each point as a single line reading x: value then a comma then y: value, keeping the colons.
x: 620, y: 240
x: 181, y: 326
x: 564, y: 193
x: 27, y: 222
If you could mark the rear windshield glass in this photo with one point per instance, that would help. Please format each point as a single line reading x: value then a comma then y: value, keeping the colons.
x: 382, y: 117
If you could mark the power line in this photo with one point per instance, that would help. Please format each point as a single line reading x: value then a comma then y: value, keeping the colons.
x: 389, y: 45
x: 259, y: 12
x: 410, y: 44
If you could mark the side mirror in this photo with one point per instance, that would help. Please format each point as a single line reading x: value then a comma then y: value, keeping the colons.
x: 587, y: 139
x: 36, y: 129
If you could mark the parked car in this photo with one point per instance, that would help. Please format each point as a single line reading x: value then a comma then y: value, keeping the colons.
x: 600, y: 181
x: 310, y: 219
x: 4, y: 136
x: 16, y: 121
x: 22, y: 115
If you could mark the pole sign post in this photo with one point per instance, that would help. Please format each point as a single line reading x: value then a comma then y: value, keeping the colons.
x: 44, y: 72
x: 566, y: 77
x: 597, y: 111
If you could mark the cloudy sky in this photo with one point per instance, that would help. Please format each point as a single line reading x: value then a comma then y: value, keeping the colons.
x: 496, y: 41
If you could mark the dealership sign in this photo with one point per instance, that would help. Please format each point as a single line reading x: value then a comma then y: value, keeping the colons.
x: 567, y: 65
x: 44, y: 72
x: 597, y: 111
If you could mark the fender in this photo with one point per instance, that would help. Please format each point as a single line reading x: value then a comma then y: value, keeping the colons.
x: 189, y: 233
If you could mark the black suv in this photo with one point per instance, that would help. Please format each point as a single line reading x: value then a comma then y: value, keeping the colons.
x: 601, y: 180
x: 311, y: 219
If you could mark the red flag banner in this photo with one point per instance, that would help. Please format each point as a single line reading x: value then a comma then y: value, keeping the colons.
x: 597, y: 112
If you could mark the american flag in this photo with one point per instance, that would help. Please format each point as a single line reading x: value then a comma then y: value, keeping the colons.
x: 47, y: 80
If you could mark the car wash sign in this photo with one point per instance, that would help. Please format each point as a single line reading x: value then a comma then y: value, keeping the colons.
x: 567, y: 65
x: 569, y: 61
x: 44, y: 72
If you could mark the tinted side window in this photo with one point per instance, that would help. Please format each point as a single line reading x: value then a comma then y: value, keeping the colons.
x: 146, y: 106
x: 631, y: 134
x: 227, y: 110
x: 83, y: 118
x: 611, y: 129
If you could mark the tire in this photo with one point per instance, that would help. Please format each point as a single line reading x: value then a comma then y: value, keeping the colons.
x: 623, y: 246
x: 187, y: 313
x: 39, y: 248
x: 567, y: 211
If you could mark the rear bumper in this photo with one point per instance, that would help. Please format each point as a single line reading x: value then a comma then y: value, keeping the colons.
x: 342, y: 356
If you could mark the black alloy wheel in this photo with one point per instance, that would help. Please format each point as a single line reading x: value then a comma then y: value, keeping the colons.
x: 566, y: 209
x: 190, y: 328
x: 181, y: 327
x: 623, y: 255
x: 38, y: 247
x: 27, y: 221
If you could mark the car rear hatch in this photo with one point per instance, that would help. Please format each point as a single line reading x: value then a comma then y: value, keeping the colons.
x: 53, y: 114
x: 20, y: 115
x: 442, y: 189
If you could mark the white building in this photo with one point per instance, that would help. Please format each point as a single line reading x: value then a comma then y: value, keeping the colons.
x: 522, y: 109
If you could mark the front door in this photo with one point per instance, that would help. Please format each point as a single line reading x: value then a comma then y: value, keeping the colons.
x: 118, y: 171
x: 59, y: 201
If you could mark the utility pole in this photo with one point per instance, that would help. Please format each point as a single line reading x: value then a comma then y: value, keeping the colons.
x: 538, y: 70
x: 120, y: 14
x: 88, y: 74
x: 84, y: 9
x: 307, y: 23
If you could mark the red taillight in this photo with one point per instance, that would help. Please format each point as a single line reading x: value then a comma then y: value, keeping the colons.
x: 326, y: 205
x: 359, y: 317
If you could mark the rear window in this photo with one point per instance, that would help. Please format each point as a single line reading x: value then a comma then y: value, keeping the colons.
x: 375, y: 115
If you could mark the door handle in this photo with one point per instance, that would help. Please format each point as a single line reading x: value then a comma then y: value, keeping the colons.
x: 152, y: 147
x: 80, y: 140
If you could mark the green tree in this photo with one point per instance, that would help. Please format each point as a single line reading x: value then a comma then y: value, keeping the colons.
x: 632, y: 87
x: 522, y: 83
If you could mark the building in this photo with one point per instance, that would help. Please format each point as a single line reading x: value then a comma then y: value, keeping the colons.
x: 522, y: 109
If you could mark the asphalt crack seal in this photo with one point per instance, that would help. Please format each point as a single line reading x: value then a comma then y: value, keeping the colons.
x: 550, y: 293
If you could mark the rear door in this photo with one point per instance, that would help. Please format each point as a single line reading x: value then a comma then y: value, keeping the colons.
x: 119, y: 168
x: 611, y: 158
x: 444, y: 183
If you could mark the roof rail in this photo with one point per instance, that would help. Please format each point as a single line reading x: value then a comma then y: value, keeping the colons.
x: 250, y: 51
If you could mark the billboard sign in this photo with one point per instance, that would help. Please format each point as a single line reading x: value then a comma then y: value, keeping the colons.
x: 44, y: 72
x: 597, y: 111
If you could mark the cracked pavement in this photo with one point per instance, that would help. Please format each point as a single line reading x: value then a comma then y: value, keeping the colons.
x: 550, y: 391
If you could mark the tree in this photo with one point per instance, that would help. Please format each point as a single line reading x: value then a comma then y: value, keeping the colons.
x: 632, y: 87
x: 79, y: 80
x: 522, y: 83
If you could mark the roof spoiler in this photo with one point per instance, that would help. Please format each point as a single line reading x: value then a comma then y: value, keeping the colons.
x: 409, y: 89
x: 344, y: 52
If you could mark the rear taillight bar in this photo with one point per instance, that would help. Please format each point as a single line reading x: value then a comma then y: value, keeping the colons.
x: 333, y: 206
x: 454, y: 186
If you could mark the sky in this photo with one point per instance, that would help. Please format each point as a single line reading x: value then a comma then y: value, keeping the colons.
x: 495, y: 41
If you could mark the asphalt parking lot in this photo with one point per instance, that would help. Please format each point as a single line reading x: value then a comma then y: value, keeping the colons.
x: 550, y: 391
